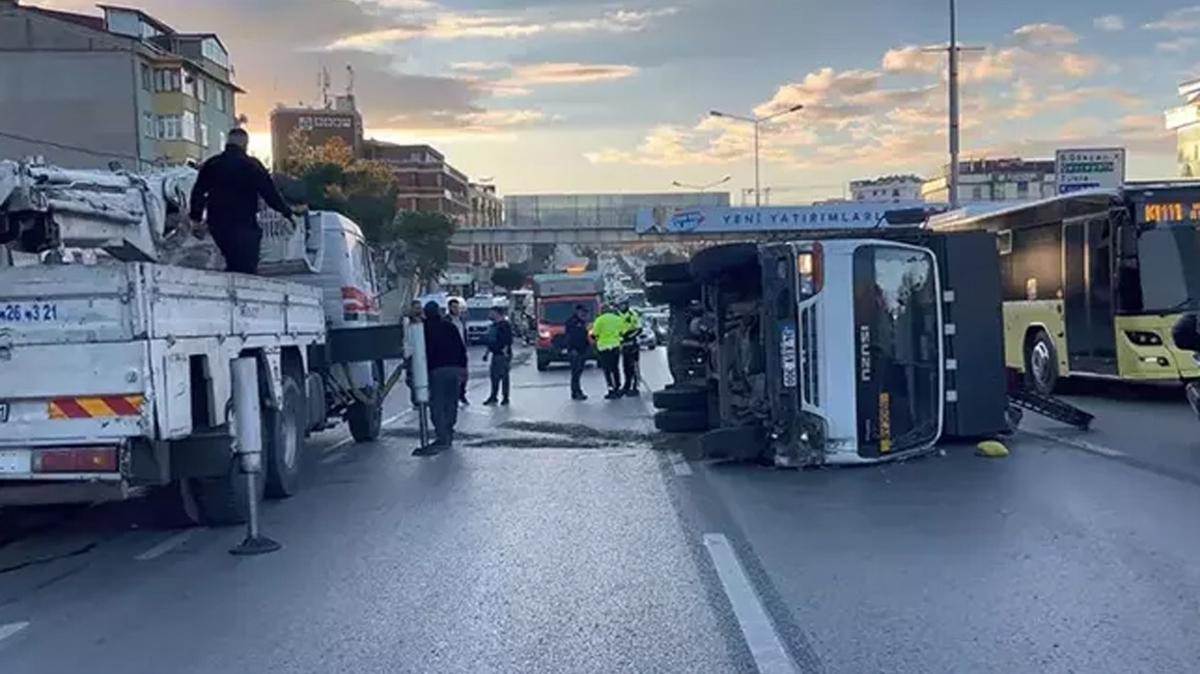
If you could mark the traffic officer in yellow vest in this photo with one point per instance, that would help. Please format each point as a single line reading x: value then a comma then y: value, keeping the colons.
x: 607, y: 330
x: 630, y: 351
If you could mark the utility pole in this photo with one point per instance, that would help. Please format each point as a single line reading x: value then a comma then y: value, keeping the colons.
x: 953, y: 87
x: 954, y: 51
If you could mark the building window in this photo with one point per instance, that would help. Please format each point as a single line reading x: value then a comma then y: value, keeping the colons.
x: 188, y: 126
x: 202, y: 89
x: 895, y: 194
x: 222, y: 102
x: 221, y: 139
x: 1022, y: 188
x: 169, y: 127
x: 168, y: 79
x: 148, y: 125
x: 977, y: 193
x: 204, y: 135
x: 147, y: 78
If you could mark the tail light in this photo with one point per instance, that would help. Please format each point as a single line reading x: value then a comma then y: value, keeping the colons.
x: 810, y: 267
x: 75, y: 460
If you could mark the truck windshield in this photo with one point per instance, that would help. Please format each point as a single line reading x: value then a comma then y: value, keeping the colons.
x: 557, y: 313
x: 898, y: 381
x: 479, y: 314
x: 1168, y: 257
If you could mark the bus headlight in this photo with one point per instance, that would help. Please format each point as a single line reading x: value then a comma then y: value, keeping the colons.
x: 1144, y: 338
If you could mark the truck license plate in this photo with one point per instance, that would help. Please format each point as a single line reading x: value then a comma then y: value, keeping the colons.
x: 787, y: 354
x: 16, y: 461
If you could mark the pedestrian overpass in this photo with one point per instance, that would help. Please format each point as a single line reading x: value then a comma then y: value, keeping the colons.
x: 684, y: 225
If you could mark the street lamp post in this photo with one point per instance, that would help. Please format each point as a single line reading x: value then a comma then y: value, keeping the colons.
x: 756, y: 122
x: 702, y: 188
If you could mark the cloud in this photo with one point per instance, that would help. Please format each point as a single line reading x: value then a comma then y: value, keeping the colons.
x: 1110, y: 23
x: 1177, y: 21
x: 1077, y: 66
x: 915, y: 60
x: 1177, y: 46
x: 453, y: 26
x: 535, y: 74
x: 819, y: 86
x: 1045, y: 35
x: 479, y: 66
x: 468, y: 122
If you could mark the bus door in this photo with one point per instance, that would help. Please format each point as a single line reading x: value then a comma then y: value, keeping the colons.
x: 1088, y: 295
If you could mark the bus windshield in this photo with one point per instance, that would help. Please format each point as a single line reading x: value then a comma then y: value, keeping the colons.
x: 896, y: 315
x: 1169, y: 260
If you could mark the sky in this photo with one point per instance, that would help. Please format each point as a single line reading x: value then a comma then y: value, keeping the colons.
x: 593, y: 96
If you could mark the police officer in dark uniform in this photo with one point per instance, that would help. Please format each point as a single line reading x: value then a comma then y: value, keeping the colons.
x: 228, y: 187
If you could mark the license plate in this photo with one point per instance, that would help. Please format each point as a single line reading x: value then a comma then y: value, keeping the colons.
x: 16, y: 461
x: 3, y: 412
x: 787, y: 354
x: 30, y: 312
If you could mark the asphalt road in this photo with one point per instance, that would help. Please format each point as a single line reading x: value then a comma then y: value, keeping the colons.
x: 568, y: 537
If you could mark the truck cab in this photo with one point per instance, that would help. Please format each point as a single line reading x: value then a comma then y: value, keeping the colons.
x: 555, y: 299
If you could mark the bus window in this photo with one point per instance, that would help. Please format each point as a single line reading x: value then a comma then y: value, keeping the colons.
x: 1170, y: 277
x: 899, y: 369
x: 1038, y: 258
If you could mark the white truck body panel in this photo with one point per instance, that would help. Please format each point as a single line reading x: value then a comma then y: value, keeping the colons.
x: 129, y: 330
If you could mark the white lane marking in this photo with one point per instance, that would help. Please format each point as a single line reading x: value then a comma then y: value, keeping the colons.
x: 337, y: 445
x: 757, y: 629
x: 10, y: 629
x: 391, y: 420
x: 166, y: 546
x: 1078, y: 444
x: 680, y: 466
x: 333, y: 457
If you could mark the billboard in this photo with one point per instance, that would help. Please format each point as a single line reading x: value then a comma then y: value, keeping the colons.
x: 702, y: 220
x: 1088, y: 169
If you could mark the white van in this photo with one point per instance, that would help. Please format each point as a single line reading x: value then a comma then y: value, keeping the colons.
x: 479, y: 316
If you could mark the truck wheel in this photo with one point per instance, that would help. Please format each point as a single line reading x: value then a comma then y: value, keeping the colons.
x: 283, y: 445
x: 675, y: 293
x: 668, y: 273
x: 711, y: 263
x: 366, y: 421
x: 740, y: 443
x: 543, y: 363
x: 681, y: 421
x: 1041, y: 363
x: 174, y: 506
x: 681, y: 398
x: 222, y: 499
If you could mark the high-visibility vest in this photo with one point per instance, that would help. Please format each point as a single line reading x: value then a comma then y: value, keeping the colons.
x: 608, y: 328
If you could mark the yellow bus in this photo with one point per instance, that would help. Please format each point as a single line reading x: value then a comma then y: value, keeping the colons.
x: 1093, y: 281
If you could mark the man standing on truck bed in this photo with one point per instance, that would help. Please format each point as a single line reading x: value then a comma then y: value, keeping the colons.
x: 446, y: 357
x: 228, y: 187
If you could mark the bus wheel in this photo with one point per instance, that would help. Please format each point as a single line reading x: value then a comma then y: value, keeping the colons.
x: 1041, y: 363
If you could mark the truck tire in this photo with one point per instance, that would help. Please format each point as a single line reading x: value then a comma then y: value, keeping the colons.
x: 1041, y: 363
x: 366, y: 421
x: 284, y: 445
x: 174, y: 506
x: 222, y: 499
x: 681, y: 421
x: 712, y: 263
x: 366, y: 418
x: 543, y: 363
x: 681, y: 398
x: 739, y: 443
x: 675, y: 293
x: 679, y: 272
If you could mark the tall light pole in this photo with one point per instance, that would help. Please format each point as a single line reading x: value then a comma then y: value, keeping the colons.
x: 953, y: 87
x: 757, y: 122
x: 701, y: 188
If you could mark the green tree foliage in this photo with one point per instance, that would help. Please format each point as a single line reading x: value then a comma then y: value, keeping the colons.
x: 509, y: 278
x: 334, y: 179
x: 426, y: 239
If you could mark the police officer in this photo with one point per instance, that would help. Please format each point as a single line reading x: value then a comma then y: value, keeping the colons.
x: 630, y: 351
x: 228, y: 188
x: 607, y: 329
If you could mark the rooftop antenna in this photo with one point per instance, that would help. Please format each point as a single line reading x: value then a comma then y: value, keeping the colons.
x: 349, y: 80
x: 323, y: 81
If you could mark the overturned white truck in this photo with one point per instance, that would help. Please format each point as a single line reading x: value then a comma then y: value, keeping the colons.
x: 844, y: 346
x: 115, y: 358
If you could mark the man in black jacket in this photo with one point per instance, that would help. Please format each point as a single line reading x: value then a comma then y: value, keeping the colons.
x: 228, y: 187
x: 500, y: 343
x: 446, y: 358
x: 578, y: 347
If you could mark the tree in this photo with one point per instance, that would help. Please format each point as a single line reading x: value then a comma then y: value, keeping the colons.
x: 426, y: 238
x: 334, y: 179
x: 509, y: 278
